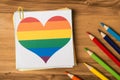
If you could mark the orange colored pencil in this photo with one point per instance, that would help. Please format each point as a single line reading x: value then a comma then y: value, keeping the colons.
x: 73, y: 77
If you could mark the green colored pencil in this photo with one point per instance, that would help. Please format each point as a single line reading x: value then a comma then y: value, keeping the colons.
x: 103, y: 64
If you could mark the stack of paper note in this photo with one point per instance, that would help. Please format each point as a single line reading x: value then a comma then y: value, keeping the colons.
x: 44, y: 39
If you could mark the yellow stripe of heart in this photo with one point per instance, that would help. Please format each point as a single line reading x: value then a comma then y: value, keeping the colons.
x: 44, y: 34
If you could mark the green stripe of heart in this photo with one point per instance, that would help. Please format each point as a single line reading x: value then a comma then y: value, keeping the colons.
x: 44, y: 43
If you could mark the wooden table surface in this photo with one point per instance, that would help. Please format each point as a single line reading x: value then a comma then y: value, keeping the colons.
x: 87, y: 14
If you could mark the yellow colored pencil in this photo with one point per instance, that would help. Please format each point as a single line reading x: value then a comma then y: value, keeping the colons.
x: 96, y: 72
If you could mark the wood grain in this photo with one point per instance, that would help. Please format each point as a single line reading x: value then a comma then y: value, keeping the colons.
x: 86, y: 17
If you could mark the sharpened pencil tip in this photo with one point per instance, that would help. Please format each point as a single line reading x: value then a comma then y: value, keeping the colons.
x: 102, y: 24
x: 85, y: 64
x: 87, y: 32
x: 99, y: 30
x: 86, y: 49
x: 88, y: 66
x: 66, y: 72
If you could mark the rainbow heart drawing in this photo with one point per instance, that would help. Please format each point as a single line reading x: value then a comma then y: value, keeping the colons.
x: 44, y: 41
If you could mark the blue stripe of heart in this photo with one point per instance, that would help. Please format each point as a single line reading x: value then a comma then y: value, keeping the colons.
x: 42, y: 52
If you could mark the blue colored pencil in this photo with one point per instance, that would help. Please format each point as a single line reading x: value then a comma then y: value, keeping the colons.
x: 109, y: 41
x: 111, y: 31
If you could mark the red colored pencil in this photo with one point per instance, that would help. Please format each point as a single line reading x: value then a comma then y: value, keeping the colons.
x: 104, y: 49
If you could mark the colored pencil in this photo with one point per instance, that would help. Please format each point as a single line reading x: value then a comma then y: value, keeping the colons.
x: 103, y: 64
x: 104, y: 49
x: 73, y: 77
x: 96, y: 72
x: 111, y: 31
x: 109, y: 41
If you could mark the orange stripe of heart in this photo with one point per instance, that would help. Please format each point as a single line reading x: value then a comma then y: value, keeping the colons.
x: 51, y: 25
